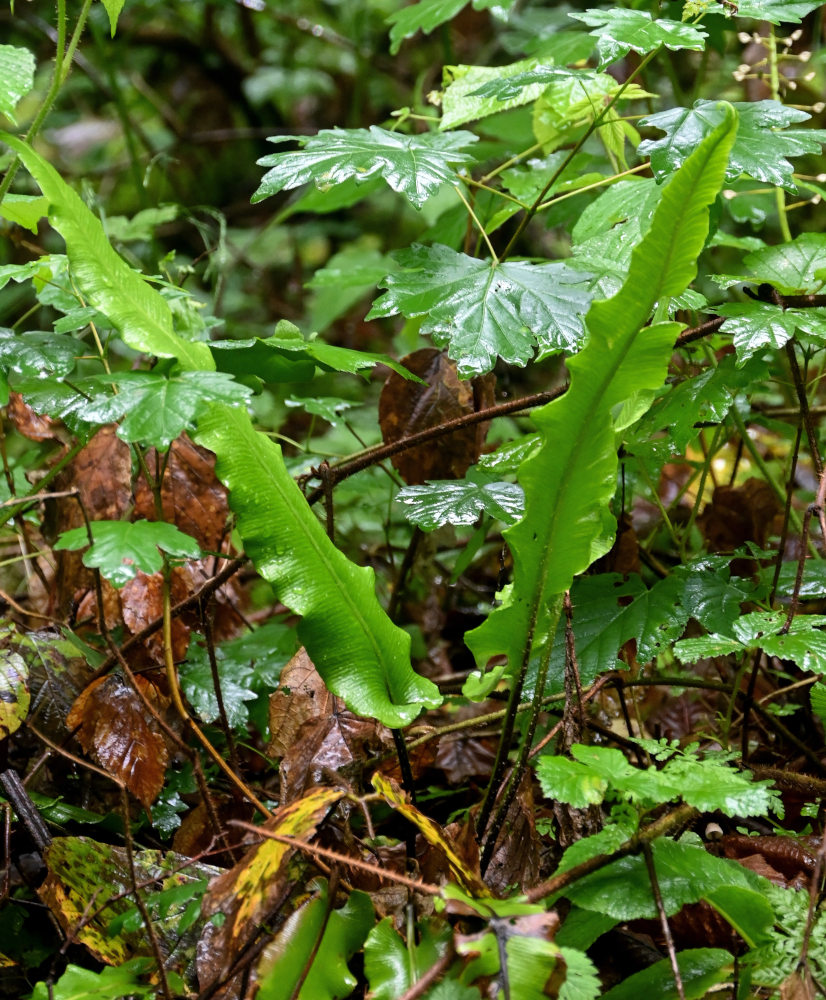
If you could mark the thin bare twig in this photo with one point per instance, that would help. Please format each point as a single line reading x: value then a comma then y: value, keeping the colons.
x: 658, y: 899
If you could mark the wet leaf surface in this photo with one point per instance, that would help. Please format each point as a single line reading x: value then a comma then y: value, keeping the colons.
x: 116, y: 726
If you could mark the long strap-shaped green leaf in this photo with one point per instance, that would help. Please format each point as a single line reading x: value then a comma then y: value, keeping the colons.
x: 361, y: 655
x: 570, y: 481
x: 140, y: 313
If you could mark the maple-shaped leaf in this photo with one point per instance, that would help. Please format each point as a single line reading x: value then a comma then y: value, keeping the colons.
x: 429, y: 14
x: 461, y: 501
x: 37, y: 354
x: 761, y: 147
x: 795, y: 267
x: 120, y: 548
x: 619, y: 32
x: 479, y: 310
x: 757, y: 325
x: 415, y: 166
x: 473, y: 92
x: 155, y: 410
x: 777, y: 11
x: 803, y: 644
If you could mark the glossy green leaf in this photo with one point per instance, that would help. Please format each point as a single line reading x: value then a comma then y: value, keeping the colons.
x: 17, y: 66
x: 620, y: 31
x: 37, y: 354
x: 155, y: 410
x: 757, y: 326
x: 480, y: 311
x: 361, y: 655
x: 390, y: 964
x: 798, y: 266
x: 523, y: 82
x: 134, y: 307
x: 705, y: 399
x: 415, y: 166
x: 569, y: 483
x: 777, y: 11
x: 700, y: 970
x: 474, y: 92
x: 762, y: 147
x: 198, y: 686
x: 429, y: 14
x: 24, y: 209
x: 120, y: 548
x: 342, y: 933
x: 686, y: 873
x: 460, y: 501
x: 288, y: 357
x: 804, y: 643
x: 111, y: 983
x: 748, y: 912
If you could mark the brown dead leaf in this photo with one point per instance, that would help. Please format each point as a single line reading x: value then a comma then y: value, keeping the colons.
x: 193, y: 499
x: 102, y: 474
x: 315, y: 737
x: 32, y: 425
x: 142, y: 603
x: 408, y: 407
x: 798, y: 986
x: 515, y: 860
x: 739, y: 514
x: 116, y: 727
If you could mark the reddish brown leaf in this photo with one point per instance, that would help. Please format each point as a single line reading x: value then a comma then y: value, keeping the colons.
x: 408, y: 407
x: 142, y: 602
x: 313, y: 734
x: 193, y: 499
x: 739, y: 514
x: 31, y: 424
x: 515, y: 860
x: 116, y: 727
x: 102, y: 474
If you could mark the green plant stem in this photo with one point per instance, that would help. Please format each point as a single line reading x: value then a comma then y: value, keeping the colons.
x: 62, y: 67
x: 576, y: 148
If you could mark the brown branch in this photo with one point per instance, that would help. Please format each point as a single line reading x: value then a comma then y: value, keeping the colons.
x: 378, y: 453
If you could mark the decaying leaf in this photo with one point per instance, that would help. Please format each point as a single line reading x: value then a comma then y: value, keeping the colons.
x: 433, y: 833
x: 248, y: 894
x: 15, y: 694
x: 193, y: 499
x: 313, y: 735
x: 116, y: 727
x: 30, y: 424
x: 408, y: 407
x: 83, y: 875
